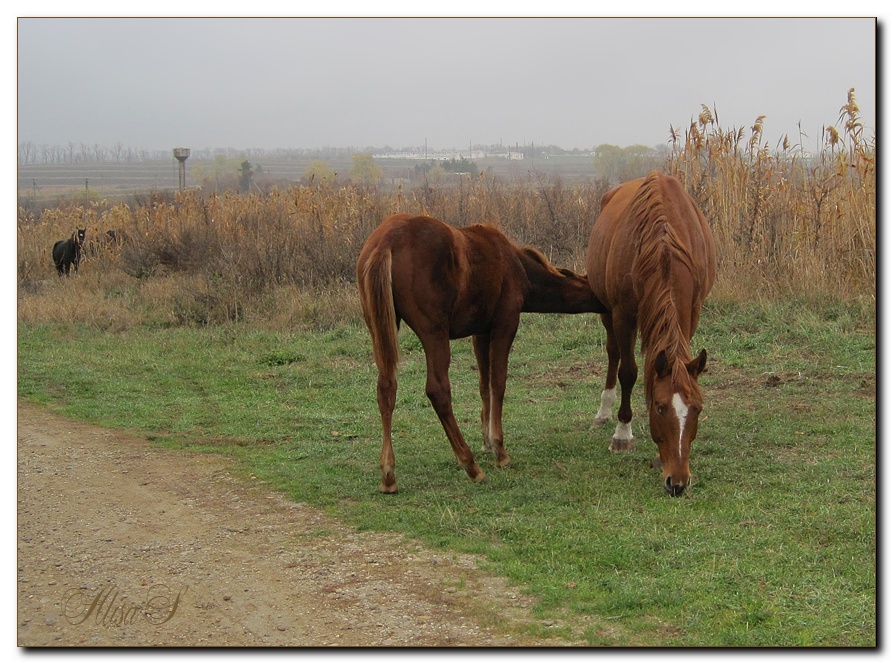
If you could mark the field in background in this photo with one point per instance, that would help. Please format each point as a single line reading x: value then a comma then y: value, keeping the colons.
x: 44, y: 185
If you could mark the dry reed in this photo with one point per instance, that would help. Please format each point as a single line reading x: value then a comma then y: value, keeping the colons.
x: 787, y: 220
x: 787, y: 223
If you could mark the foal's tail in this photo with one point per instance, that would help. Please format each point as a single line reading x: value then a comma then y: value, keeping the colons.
x: 377, y: 301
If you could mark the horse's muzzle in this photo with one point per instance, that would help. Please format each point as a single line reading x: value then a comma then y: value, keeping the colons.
x: 675, y: 488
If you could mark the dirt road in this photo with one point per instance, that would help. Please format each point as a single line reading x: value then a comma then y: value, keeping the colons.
x: 121, y: 543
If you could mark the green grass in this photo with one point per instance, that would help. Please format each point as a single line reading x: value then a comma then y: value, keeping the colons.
x: 773, y: 546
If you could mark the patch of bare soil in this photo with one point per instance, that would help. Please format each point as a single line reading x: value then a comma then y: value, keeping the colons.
x: 124, y: 544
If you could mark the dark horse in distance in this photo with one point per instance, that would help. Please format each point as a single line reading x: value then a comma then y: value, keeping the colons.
x: 448, y: 283
x: 651, y: 260
x: 67, y: 253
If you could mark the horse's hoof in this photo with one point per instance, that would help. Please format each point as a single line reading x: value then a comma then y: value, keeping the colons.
x: 388, y: 489
x: 503, y: 462
x: 622, y: 445
x: 656, y: 463
x: 479, y: 477
x: 599, y: 422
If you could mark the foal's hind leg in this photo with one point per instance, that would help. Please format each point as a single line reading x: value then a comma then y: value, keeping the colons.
x: 437, y: 387
x: 492, y: 388
x: 500, y: 345
x: 386, y: 392
x: 481, y: 345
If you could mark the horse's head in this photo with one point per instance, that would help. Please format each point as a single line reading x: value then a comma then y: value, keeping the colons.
x: 78, y: 236
x: 675, y: 402
x: 555, y: 289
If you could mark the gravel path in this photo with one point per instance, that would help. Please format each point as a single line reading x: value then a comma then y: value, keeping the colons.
x: 121, y: 543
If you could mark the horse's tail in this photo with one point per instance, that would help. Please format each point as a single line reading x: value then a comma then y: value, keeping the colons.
x: 377, y: 301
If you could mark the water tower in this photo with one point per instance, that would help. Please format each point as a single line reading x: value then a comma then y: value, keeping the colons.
x: 182, y: 154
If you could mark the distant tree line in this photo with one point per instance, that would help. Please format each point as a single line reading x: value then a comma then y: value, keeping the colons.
x: 119, y: 153
x: 434, y: 168
x: 617, y: 164
x: 82, y: 153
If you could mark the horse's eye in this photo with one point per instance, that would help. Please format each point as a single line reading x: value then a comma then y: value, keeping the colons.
x: 660, y: 409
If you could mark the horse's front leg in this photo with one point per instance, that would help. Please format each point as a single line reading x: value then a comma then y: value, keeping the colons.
x: 627, y: 373
x: 610, y: 393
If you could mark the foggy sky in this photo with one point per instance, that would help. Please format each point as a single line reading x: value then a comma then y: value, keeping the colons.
x: 301, y: 83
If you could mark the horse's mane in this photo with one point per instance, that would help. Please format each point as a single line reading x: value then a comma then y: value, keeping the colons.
x: 539, y: 257
x: 660, y: 249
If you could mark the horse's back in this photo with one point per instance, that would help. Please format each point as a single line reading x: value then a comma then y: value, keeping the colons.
x: 60, y: 248
x: 423, y: 255
x: 624, y: 219
x: 692, y: 230
x: 611, y: 245
x: 446, y: 276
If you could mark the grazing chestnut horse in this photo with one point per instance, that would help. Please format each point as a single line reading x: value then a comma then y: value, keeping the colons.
x: 651, y: 260
x: 448, y: 283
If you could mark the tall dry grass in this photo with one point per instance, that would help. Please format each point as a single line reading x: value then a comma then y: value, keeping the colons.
x: 787, y: 223
x: 790, y: 219
x: 285, y: 258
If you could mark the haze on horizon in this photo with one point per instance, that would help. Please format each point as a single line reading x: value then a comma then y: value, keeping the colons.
x: 279, y: 83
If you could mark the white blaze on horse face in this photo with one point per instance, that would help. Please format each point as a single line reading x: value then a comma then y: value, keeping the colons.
x: 682, y: 413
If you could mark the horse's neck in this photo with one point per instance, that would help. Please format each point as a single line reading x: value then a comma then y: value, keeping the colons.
x: 551, y: 292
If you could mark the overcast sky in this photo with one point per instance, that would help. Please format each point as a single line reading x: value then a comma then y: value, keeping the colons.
x: 292, y: 83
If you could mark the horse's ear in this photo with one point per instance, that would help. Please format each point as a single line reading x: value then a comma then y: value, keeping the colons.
x: 697, y: 365
x: 661, y: 366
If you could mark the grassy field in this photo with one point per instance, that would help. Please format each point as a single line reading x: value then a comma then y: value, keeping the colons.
x: 774, y: 545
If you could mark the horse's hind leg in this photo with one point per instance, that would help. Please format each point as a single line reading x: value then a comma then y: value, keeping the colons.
x: 610, y: 393
x: 386, y: 392
x: 495, y: 347
x: 481, y: 345
x: 437, y: 388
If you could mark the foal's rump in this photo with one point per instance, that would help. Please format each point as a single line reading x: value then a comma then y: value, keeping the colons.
x: 446, y: 278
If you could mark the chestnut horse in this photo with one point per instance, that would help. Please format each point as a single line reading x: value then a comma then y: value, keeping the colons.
x: 651, y: 260
x: 448, y: 283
